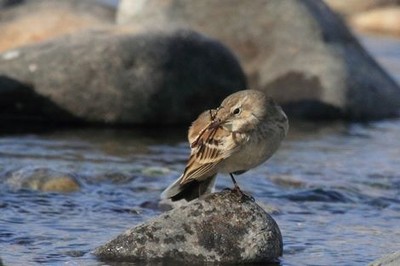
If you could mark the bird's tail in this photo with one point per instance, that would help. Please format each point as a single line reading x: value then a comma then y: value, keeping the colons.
x: 190, y: 190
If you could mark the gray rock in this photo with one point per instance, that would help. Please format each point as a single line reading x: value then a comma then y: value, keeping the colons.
x: 298, y: 51
x: 9, y: 3
x: 219, y: 228
x: 387, y: 260
x: 114, y: 76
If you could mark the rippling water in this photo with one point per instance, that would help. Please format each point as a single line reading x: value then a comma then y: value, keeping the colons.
x: 334, y: 190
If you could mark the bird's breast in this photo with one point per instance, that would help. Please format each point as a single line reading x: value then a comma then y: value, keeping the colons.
x: 258, y: 147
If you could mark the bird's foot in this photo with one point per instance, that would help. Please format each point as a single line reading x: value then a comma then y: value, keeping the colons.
x: 243, y: 196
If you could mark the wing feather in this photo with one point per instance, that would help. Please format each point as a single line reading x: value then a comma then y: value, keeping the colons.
x: 209, y: 148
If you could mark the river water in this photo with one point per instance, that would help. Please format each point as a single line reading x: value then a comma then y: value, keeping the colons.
x: 334, y: 188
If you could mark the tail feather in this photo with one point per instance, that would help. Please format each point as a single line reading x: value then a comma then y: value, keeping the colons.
x: 190, y: 190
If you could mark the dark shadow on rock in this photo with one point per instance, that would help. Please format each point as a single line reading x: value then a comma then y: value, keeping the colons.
x: 20, y: 104
x: 10, y: 3
x: 302, y: 106
x: 312, y: 110
x: 219, y: 228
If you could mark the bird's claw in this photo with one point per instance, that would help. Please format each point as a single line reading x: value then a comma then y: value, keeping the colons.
x: 243, y: 196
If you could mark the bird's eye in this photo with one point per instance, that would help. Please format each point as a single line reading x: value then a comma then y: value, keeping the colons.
x: 236, y: 111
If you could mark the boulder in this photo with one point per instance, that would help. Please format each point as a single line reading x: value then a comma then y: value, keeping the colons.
x: 298, y: 51
x: 115, y: 76
x: 222, y: 228
x: 33, y: 21
x: 42, y: 179
x: 387, y: 260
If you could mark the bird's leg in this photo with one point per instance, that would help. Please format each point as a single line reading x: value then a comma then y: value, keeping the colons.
x: 239, y: 192
x: 235, y: 183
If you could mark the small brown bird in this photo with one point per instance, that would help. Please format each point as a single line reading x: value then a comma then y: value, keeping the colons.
x: 239, y: 135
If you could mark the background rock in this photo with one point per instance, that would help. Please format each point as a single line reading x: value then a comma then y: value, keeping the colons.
x: 314, y: 67
x: 375, y: 16
x: 114, y: 76
x: 218, y: 228
x: 349, y: 7
x: 382, y: 20
x: 33, y: 21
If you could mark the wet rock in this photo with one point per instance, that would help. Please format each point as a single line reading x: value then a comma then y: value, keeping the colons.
x: 219, y: 228
x: 43, y: 179
x: 388, y: 260
x: 154, y: 171
x: 111, y: 177
x: 318, y: 194
x: 33, y: 21
x: 113, y: 76
x: 286, y: 180
x: 315, y: 67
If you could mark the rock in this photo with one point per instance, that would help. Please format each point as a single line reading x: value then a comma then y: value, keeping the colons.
x: 382, y: 20
x: 377, y: 16
x: 350, y: 7
x: 388, y: 260
x: 42, y: 179
x: 114, y: 76
x: 34, y: 21
x: 315, y: 68
x: 153, y: 171
x: 9, y: 3
x: 219, y: 228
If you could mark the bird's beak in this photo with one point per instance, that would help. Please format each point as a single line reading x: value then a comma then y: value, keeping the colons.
x: 216, y: 122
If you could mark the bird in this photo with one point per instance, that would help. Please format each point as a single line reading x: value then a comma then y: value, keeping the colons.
x: 242, y: 133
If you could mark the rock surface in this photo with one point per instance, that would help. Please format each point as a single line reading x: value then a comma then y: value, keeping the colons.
x: 375, y: 16
x: 218, y: 228
x: 42, y: 179
x: 315, y: 68
x: 9, y: 3
x: 388, y: 260
x: 383, y: 20
x: 349, y: 7
x: 33, y: 21
x: 114, y: 76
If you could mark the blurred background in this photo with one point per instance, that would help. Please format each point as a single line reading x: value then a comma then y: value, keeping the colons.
x: 96, y: 98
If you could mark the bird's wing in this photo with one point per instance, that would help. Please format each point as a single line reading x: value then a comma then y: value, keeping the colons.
x: 211, y: 146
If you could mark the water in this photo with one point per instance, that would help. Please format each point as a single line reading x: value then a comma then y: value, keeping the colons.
x: 335, y: 188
